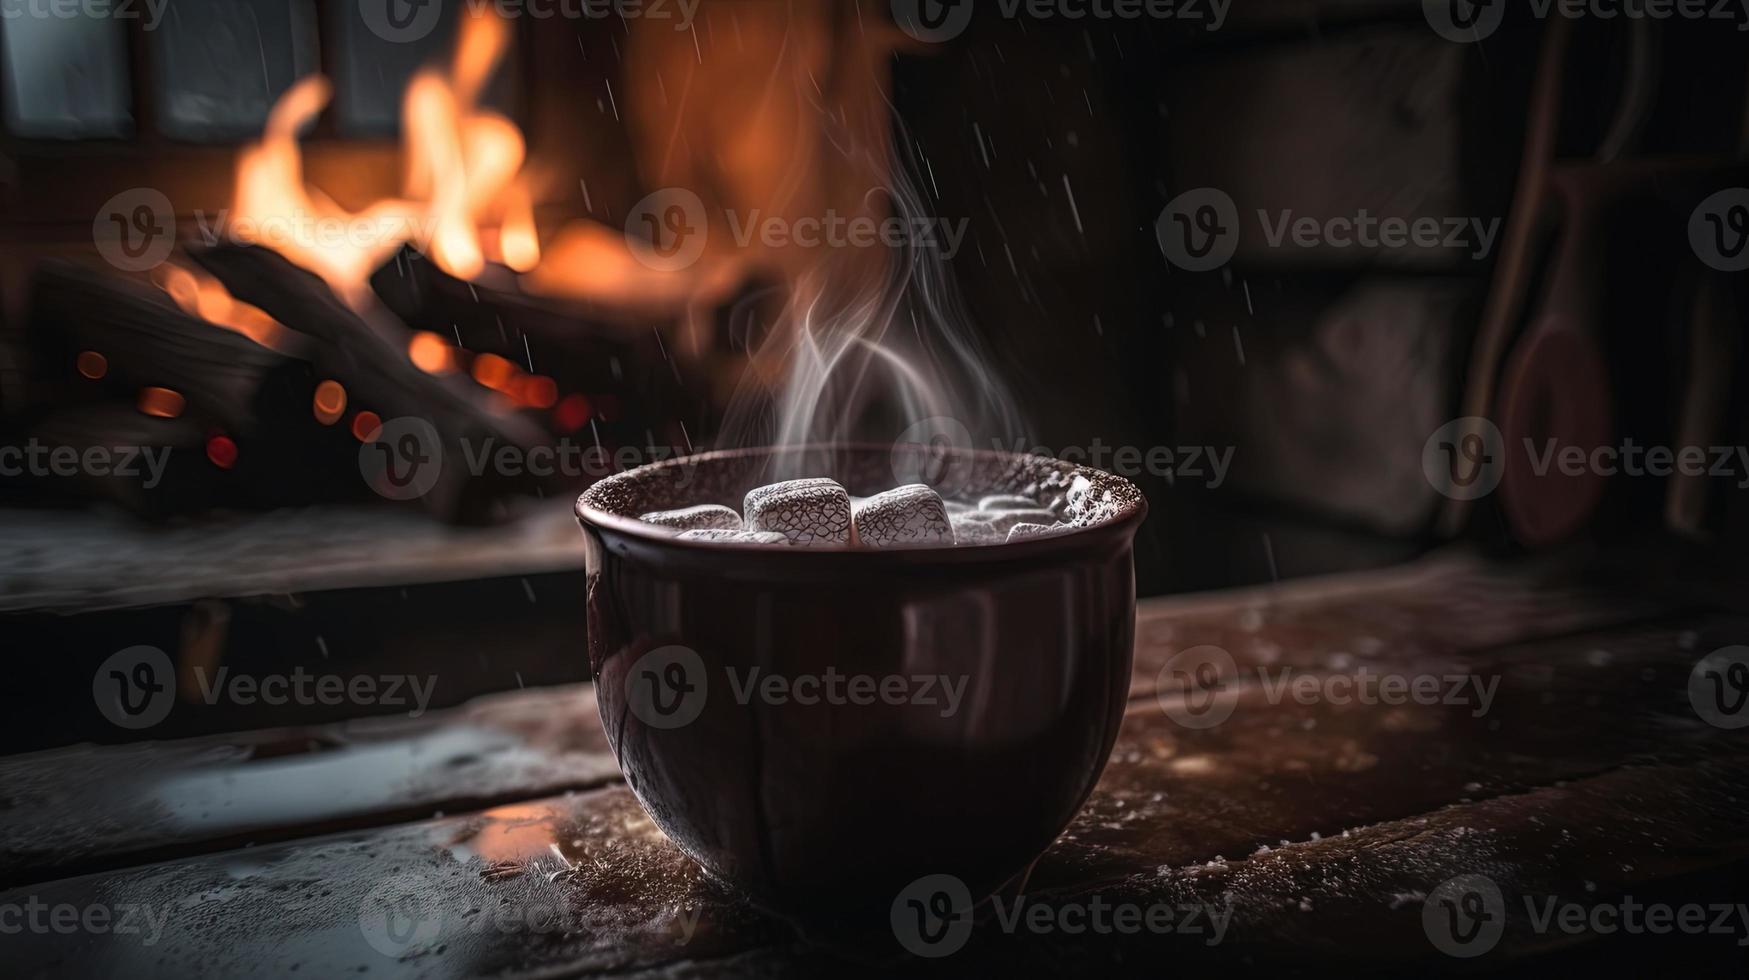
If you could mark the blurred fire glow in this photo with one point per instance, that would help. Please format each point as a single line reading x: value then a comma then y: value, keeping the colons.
x: 366, y: 426
x: 222, y: 451
x: 465, y: 201
x: 431, y: 353
x: 329, y: 402
x: 161, y: 403
x: 200, y: 295
x: 92, y: 365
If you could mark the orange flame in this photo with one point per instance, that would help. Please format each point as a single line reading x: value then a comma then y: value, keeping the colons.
x: 199, y: 294
x: 464, y: 202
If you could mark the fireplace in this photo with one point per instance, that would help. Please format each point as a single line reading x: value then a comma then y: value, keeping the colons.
x: 1297, y: 445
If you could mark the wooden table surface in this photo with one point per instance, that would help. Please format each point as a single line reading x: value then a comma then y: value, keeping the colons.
x: 1562, y: 759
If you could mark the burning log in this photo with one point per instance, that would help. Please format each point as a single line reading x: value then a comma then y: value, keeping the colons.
x: 372, y: 356
x: 615, y: 359
x: 152, y: 467
x: 123, y: 336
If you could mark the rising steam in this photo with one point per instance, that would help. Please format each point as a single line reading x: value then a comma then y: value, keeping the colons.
x: 880, y: 353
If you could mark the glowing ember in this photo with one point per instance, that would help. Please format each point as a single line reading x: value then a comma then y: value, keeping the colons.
x: 92, y: 364
x: 572, y: 413
x: 200, y: 295
x: 329, y: 402
x: 431, y: 353
x: 493, y: 371
x: 161, y: 403
x: 222, y: 451
x: 366, y: 426
x: 536, y: 392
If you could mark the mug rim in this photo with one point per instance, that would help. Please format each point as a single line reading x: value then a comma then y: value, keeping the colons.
x: 1127, y: 518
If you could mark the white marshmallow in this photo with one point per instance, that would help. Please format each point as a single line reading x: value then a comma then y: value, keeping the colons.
x: 755, y: 495
x: 808, y: 512
x: 1006, y: 520
x: 974, y: 527
x: 1020, y: 531
x: 1008, y: 501
x: 734, y: 536
x: 701, y: 518
x: 911, y: 515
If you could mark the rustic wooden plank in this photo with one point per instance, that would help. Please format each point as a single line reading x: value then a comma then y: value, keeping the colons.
x: 1443, y: 605
x: 1279, y: 768
x: 76, y: 809
x: 77, y: 562
x: 1589, y: 775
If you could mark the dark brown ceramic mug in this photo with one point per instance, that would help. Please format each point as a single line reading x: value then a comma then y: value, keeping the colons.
x: 789, y: 716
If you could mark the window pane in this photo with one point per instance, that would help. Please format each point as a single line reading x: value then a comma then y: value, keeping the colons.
x: 381, y: 44
x: 66, y: 77
x: 219, y: 65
